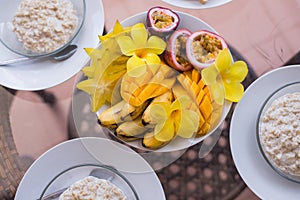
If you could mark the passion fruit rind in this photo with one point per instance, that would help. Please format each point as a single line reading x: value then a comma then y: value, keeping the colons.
x: 203, y: 47
x: 161, y: 21
x: 186, y: 50
x: 175, y: 53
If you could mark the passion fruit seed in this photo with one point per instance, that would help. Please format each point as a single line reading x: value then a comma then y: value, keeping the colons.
x: 161, y: 19
x: 181, y: 57
x: 175, y: 54
x: 206, y: 47
x: 203, y: 1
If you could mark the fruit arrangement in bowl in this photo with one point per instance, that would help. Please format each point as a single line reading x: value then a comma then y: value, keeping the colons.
x: 162, y: 80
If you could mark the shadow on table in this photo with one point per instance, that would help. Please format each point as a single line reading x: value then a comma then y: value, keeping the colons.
x: 12, y: 166
x: 294, y: 60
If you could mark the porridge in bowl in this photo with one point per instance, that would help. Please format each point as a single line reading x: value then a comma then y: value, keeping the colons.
x: 44, y: 26
x: 279, y: 133
x: 90, y: 181
x: 93, y: 188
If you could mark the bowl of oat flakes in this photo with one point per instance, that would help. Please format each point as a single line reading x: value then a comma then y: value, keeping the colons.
x: 90, y: 181
x: 278, y: 131
x: 37, y: 28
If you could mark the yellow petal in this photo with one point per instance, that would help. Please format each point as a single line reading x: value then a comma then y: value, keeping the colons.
x: 136, y: 66
x: 154, y: 68
x: 156, y: 45
x: 139, y: 35
x: 164, y: 131
x: 127, y: 45
x: 237, y: 72
x: 234, y: 91
x: 137, y: 72
x: 209, y: 75
x: 160, y: 111
x: 223, y: 60
x: 188, y: 124
x: 134, y: 62
x: 151, y: 58
x: 181, y: 103
x: 217, y: 92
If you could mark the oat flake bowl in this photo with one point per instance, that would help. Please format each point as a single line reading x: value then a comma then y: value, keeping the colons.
x: 41, y: 27
x: 90, y: 181
x: 278, y: 131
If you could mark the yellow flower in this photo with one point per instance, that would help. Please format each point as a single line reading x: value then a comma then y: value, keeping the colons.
x: 224, y: 78
x: 141, y: 49
x: 173, y: 118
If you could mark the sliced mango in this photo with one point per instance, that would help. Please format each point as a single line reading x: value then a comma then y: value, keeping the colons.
x: 199, y: 93
x: 137, y: 90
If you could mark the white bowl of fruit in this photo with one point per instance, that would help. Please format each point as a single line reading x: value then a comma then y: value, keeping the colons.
x: 152, y: 81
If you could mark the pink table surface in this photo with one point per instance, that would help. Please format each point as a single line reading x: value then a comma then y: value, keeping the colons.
x: 264, y: 32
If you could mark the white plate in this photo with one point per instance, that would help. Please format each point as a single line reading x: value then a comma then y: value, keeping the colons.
x: 193, y: 24
x: 195, y: 4
x: 46, y: 73
x: 257, y: 174
x: 90, y: 150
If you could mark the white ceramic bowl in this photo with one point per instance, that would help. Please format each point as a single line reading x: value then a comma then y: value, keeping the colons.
x: 9, y: 39
x: 260, y: 134
x: 69, y: 176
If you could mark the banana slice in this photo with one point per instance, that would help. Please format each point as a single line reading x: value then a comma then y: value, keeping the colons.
x: 150, y: 142
x: 115, y: 114
x: 131, y: 130
x: 165, y: 97
x: 137, y: 90
x: 119, y: 113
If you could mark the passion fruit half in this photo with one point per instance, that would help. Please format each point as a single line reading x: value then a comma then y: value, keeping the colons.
x: 162, y: 20
x: 175, y: 54
x: 203, y: 47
